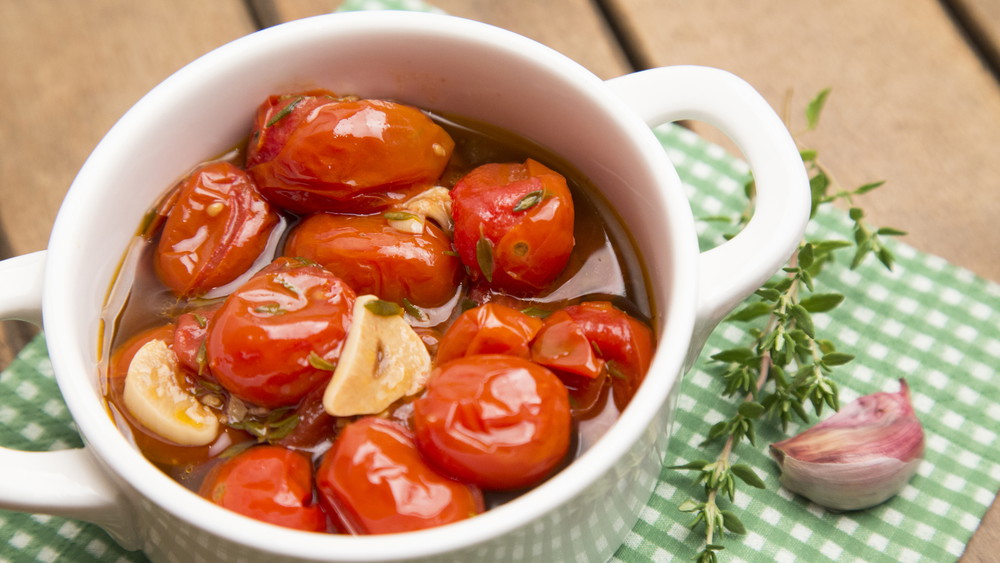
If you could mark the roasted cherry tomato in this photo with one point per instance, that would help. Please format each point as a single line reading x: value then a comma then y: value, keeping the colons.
x: 497, y: 421
x: 376, y: 482
x: 215, y: 231
x: 314, y: 152
x: 153, y: 446
x: 595, y: 337
x: 513, y: 225
x: 274, y: 337
x: 489, y: 329
x: 268, y: 483
x: 313, y: 425
x: 189, y: 340
x: 372, y: 257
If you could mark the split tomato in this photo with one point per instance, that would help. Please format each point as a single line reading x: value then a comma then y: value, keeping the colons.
x: 374, y: 481
x: 373, y: 257
x: 497, y: 421
x: 489, y: 329
x: 215, y: 230
x: 317, y: 152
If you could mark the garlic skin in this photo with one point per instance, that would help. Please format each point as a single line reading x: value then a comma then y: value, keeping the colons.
x: 859, y: 457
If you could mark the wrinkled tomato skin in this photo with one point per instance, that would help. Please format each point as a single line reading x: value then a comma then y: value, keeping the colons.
x: 189, y: 340
x: 329, y: 154
x: 489, y: 329
x: 619, y: 345
x: 497, y: 421
x: 314, y: 425
x: 529, y: 247
x: 374, y: 258
x: 374, y: 481
x: 259, y: 343
x: 153, y: 446
x: 267, y: 483
x: 215, y: 231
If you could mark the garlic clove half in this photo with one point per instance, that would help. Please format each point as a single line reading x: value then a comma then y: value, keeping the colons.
x: 156, y: 399
x: 433, y: 203
x: 383, y: 360
x: 859, y: 457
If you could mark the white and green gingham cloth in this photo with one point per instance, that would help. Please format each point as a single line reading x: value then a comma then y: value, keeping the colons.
x: 928, y: 321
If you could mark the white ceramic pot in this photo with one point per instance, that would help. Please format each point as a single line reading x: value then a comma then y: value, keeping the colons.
x: 439, y: 63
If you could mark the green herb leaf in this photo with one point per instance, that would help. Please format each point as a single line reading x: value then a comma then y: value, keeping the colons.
x: 697, y: 464
x: 868, y: 187
x: 270, y: 309
x: 836, y: 359
x: 530, y: 200
x: 383, y: 308
x: 747, y: 475
x: 399, y: 216
x: 815, y: 108
x: 751, y: 311
x: 732, y: 523
x: 484, y: 257
x: 321, y: 363
x: 889, y: 231
x: 413, y: 310
x: 737, y: 355
x: 285, y: 111
x: 750, y: 409
x: 821, y: 302
x: 536, y: 312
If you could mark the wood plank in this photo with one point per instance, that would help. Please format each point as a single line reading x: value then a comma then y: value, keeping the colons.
x: 576, y: 28
x: 910, y: 103
x: 70, y: 70
x: 982, y: 17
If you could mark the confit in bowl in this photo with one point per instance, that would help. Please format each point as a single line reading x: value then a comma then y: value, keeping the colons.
x: 444, y: 64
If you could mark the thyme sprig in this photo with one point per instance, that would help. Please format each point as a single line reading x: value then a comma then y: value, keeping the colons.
x: 786, y: 366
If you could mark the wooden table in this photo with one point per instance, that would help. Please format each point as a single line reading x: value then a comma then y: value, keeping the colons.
x: 915, y: 98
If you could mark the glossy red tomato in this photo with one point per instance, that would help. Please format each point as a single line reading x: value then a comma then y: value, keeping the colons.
x: 372, y: 257
x: 498, y: 421
x: 314, y: 152
x: 272, y: 339
x: 268, y: 483
x: 595, y: 337
x: 217, y: 228
x: 513, y: 225
x: 376, y: 482
x: 489, y: 329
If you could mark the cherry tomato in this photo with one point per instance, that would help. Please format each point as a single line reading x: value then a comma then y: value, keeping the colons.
x: 372, y: 257
x: 268, y: 483
x: 152, y: 445
x: 317, y: 152
x: 375, y: 480
x: 513, y: 225
x: 592, y: 337
x: 189, y: 340
x: 497, y: 421
x: 274, y: 337
x: 489, y: 329
x: 313, y: 426
x: 215, y: 231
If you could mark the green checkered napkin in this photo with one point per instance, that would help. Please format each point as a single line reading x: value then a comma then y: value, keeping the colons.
x: 928, y: 321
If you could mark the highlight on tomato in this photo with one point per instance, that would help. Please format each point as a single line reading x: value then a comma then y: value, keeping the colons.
x: 215, y: 231
x: 498, y: 421
x: 373, y: 480
x: 278, y: 335
x: 269, y: 483
x: 374, y: 258
x: 592, y: 340
x: 513, y: 225
x: 491, y: 328
x: 319, y: 152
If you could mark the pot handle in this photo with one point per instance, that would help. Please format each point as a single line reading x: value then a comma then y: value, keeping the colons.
x: 733, y: 270
x: 68, y: 483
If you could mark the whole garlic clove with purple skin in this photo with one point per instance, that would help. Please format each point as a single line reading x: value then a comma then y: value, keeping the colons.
x: 859, y: 457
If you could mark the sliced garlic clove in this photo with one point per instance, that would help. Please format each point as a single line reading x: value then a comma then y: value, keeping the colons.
x: 433, y: 204
x: 383, y: 360
x: 156, y: 399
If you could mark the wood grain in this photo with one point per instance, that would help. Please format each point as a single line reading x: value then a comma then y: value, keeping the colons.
x: 910, y: 103
x: 983, y: 20
x: 70, y: 70
x: 574, y: 27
